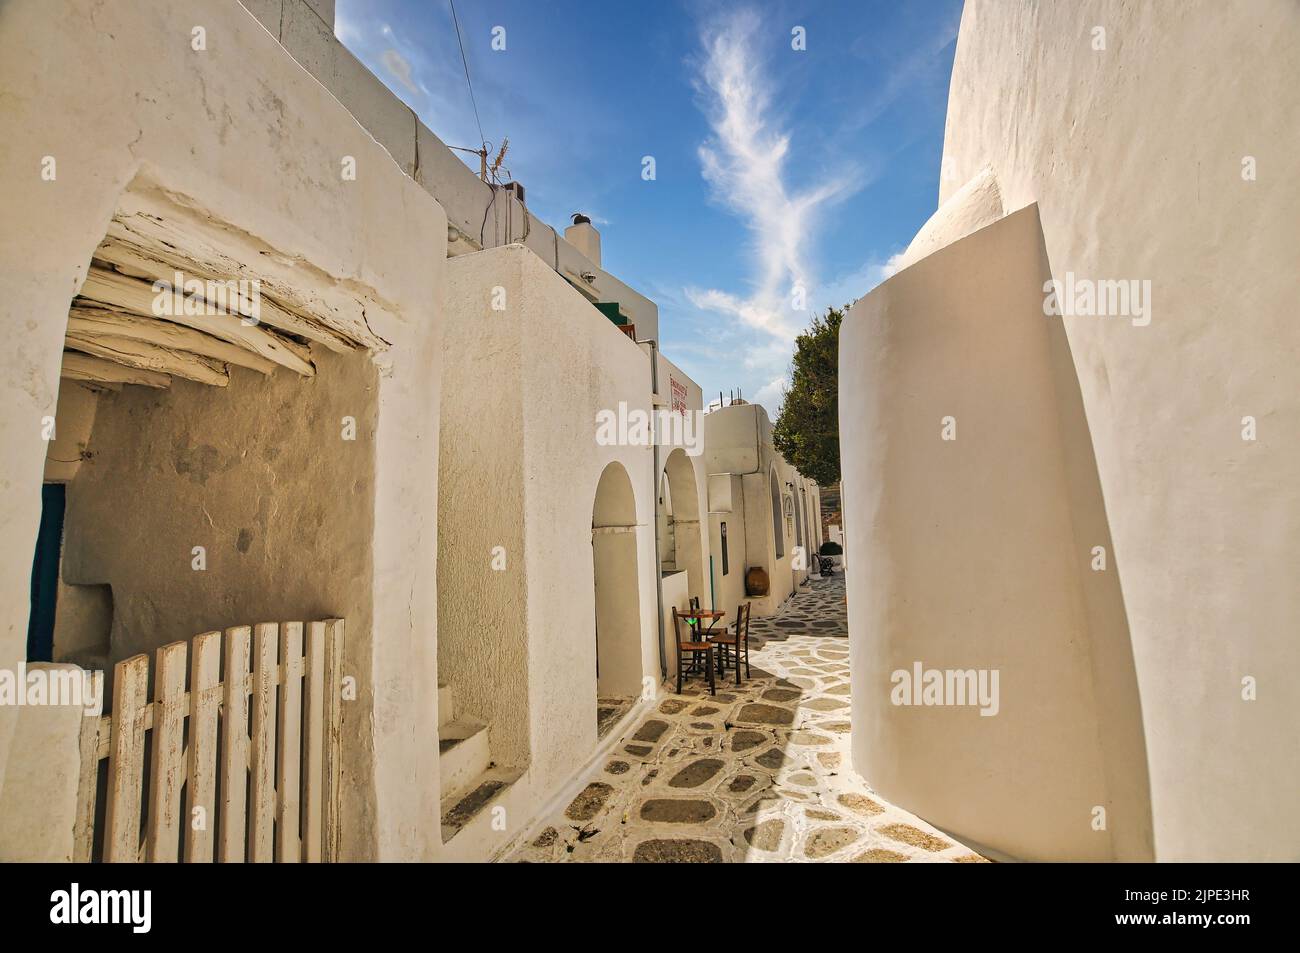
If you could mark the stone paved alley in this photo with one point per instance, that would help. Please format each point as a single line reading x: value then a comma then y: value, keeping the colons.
x: 755, y: 773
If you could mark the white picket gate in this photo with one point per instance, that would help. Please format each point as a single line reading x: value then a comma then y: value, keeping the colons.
x: 265, y: 791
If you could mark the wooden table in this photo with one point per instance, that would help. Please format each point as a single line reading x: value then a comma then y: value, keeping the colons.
x: 699, y: 615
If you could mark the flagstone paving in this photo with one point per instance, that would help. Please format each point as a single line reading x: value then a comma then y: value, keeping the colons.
x: 756, y: 773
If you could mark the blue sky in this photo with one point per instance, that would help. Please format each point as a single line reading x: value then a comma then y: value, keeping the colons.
x: 776, y: 169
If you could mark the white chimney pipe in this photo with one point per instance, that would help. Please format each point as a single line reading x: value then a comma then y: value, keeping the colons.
x: 583, y: 236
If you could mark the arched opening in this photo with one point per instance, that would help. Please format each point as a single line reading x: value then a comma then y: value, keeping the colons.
x: 810, y: 530
x: 798, y: 524
x: 618, y: 600
x: 681, y: 546
x: 666, y: 527
x: 778, y: 531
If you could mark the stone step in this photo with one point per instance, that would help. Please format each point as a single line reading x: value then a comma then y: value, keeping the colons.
x: 463, y: 754
x: 446, y: 705
x: 470, y: 808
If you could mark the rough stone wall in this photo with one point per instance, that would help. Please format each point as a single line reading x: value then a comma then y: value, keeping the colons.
x: 258, y: 475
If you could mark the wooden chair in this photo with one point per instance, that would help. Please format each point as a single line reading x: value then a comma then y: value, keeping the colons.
x: 693, y: 648
x: 735, y: 640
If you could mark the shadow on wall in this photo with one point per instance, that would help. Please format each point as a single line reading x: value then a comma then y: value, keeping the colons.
x: 1120, y: 726
x: 977, y: 508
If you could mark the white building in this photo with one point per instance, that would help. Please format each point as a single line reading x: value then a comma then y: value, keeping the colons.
x: 768, y: 513
x: 1090, y: 491
x: 417, y: 403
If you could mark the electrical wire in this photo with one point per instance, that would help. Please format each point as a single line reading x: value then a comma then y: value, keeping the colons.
x: 456, y: 22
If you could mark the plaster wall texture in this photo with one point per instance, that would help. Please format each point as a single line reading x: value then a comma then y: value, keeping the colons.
x: 738, y: 440
x: 729, y: 590
x: 280, y: 503
x: 247, y: 163
x: 793, y: 492
x: 39, y: 801
x: 966, y: 554
x: 676, y: 593
x: 481, y: 459
x: 688, y: 474
x: 1134, y: 155
x: 1206, y: 526
x: 556, y: 361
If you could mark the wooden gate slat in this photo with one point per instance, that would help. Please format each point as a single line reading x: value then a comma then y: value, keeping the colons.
x: 88, y: 780
x: 289, y: 750
x: 261, y: 809
x: 234, y: 746
x: 167, y: 772
x: 313, y: 788
x: 205, y: 704
x: 279, y: 783
x: 333, y: 733
x: 126, y: 760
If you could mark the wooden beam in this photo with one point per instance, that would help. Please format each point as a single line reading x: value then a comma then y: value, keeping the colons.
x: 151, y: 357
x: 159, y: 264
x: 83, y: 367
x: 94, y: 323
x: 137, y: 297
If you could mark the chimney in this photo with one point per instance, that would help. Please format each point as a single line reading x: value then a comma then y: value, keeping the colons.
x: 584, y: 237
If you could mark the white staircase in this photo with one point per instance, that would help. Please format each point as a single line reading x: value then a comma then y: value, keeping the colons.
x: 471, y: 782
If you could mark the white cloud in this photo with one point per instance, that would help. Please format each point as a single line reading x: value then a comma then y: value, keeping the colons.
x: 848, y: 288
x: 771, y: 394
x: 892, y: 266
x: 744, y: 161
x: 399, y: 69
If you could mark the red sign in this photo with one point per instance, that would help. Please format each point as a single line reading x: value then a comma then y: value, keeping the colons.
x: 677, y: 396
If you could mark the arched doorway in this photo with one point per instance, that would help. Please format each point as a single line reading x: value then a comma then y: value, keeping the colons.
x: 809, y: 529
x: 778, y: 531
x: 798, y: 527
x: 617, y: 590
x: 681, y: 540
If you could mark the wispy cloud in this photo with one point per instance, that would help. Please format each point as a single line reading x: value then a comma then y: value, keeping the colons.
x: 772, y: 393
x: 400, y: 69
x: 847, y: 288
x: 745, y: 163
x: 916, y: 67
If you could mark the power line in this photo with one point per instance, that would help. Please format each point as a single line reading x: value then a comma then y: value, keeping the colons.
x: 456, y: 22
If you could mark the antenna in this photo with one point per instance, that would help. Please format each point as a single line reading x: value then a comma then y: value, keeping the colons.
x: 496, y: 163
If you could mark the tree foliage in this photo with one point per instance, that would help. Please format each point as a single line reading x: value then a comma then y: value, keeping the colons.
x: 807, y: 431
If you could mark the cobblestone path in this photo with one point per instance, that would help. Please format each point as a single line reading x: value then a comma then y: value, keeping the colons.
x: 758, y: 773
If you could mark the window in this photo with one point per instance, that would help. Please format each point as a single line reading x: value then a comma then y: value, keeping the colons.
x: 726, y: 563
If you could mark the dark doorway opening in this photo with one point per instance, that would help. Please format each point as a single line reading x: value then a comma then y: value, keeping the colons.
x: 45, y: 574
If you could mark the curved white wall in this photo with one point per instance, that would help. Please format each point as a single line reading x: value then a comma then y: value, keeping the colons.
x: 1134, y: 155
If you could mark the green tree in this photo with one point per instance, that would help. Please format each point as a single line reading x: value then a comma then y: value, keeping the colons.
x: 807, y: 431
